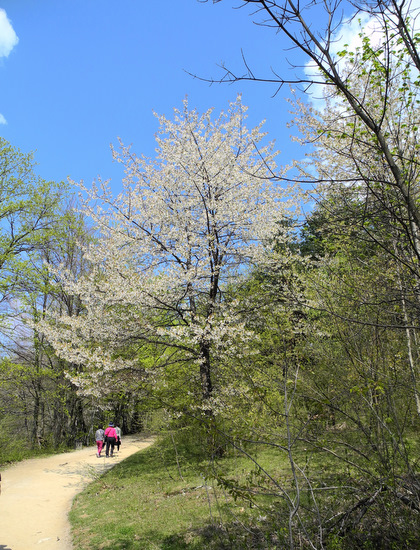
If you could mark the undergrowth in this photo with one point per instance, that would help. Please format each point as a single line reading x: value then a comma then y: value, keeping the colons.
x: 169, y: 497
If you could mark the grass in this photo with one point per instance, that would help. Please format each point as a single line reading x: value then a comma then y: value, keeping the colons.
x: 159, y: 499
x: 18, y: 450
x: 148, y: 502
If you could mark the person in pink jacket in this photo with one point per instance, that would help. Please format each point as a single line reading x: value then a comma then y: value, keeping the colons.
x: 110, y: 438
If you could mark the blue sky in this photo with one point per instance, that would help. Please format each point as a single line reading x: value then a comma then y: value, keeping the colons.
x: 84, y: 73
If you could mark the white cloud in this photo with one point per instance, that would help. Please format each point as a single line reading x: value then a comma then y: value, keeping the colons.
x: 2, y: 119
x: 349, y: 32
x: 8, y: 37
x: 348, y: 37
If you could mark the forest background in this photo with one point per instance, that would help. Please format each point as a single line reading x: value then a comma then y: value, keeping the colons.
x: 202, y: 298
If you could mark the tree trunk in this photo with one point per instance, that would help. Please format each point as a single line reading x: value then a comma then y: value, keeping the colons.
x: 205, y: 372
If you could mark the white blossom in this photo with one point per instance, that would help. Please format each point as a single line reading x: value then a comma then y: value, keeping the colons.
x: 185, y: 225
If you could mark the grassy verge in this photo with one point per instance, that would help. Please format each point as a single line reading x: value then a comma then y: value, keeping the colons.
x: 17, y: 450
x: 160, y: 499
x: 150, y: 501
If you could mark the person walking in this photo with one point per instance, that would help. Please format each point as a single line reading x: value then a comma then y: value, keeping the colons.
x: 110, y: 439
x: 99, y: 437
x: 118, y: 443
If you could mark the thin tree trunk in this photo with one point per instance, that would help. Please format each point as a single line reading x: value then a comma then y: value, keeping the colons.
x: 409, y: 339
x: 205, y: 372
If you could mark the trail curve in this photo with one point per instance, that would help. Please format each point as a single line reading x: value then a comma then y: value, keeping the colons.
x: 36, y: 495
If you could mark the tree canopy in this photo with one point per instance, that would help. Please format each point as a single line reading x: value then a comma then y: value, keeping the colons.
x: 186, y: 225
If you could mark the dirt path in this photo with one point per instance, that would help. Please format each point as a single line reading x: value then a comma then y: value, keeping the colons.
x: 36, y: 495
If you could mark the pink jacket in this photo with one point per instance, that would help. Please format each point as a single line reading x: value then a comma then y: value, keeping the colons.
x: 110, y: 432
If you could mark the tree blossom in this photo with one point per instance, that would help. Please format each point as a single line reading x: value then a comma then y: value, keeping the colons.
x: 185, y: 226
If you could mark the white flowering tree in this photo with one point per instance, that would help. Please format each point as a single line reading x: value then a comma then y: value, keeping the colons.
x: 185, y: 225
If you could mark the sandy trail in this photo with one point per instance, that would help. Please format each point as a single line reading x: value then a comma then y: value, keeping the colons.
x: 36, y: 495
